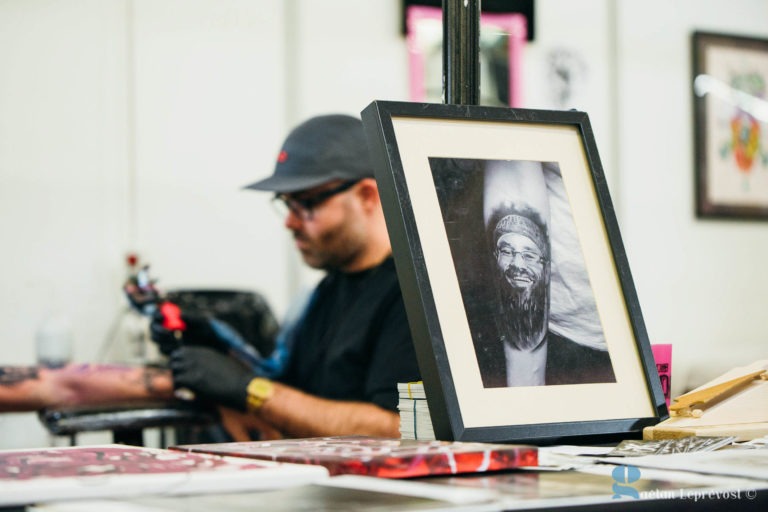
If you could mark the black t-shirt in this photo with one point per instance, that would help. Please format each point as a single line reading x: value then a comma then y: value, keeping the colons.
x: 354, y: 342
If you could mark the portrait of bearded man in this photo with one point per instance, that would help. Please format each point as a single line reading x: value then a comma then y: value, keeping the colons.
x: 525, y: 289
x: 524, y: 351
x: 521, y: 252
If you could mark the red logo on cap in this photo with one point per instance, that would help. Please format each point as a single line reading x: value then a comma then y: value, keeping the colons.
x: 282, y: 157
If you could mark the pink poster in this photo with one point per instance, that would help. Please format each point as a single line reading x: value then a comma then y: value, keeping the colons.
x: 662, y: 354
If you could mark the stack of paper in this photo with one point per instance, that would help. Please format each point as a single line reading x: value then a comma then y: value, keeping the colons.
x: 415, y: 422
x: 340, y: 493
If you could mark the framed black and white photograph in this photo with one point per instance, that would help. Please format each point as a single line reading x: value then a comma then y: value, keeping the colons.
x: 730, y: 106
x: 519, y: 296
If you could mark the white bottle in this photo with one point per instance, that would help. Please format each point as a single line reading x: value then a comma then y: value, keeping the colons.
x: 54, y: 341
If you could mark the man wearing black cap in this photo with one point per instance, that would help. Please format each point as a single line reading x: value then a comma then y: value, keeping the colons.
x: 352, y: 345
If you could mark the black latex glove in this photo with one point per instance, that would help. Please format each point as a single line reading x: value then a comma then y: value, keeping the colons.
x: 197, y: 332
x: 213, y: 376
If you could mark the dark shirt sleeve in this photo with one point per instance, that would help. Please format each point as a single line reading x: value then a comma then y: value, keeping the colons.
x: 394, y: 357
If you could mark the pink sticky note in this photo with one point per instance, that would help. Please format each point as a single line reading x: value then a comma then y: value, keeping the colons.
x: 662, y: 354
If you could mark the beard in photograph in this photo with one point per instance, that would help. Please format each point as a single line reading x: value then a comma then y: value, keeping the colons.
x: 523, y: 311
x: 519, y: 240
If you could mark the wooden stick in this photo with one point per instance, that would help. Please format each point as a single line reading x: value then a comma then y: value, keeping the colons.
x: 693, y: 403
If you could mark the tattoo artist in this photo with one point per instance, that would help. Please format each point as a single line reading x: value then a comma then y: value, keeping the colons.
x: 351, y: 345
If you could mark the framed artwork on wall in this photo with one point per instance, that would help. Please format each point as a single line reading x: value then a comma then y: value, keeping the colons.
x: 519, y: 296
x: 524, y: 7
x: 730, y: 105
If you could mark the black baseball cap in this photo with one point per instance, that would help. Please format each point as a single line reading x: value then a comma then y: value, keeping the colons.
x: 319, y: 150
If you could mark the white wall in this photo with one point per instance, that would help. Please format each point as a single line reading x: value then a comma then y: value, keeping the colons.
x: 208, y: 119
x: 62, y: 181
x: 129, y: 125
x: 701, y: 283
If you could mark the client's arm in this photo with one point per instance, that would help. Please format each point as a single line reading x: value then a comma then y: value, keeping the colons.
x: 29, y: 388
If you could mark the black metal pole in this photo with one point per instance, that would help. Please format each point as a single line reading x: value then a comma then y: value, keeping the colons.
x: 461, y: 52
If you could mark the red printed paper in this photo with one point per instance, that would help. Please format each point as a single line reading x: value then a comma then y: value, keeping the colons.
x: 381, y: 457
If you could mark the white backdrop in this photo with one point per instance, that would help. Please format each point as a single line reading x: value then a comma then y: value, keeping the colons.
x: 129, y: 125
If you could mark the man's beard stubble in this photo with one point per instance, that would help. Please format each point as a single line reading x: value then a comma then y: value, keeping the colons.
x: 523, y: 317
x: 332, y: 250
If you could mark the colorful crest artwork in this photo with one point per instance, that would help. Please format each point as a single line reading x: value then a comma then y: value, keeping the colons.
x: 730, y: 85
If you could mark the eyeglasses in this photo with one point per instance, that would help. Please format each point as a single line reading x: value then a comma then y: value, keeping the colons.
x: 304, y: 207
x: 529, y: 257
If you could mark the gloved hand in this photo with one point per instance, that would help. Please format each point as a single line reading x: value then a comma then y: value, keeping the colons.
x: 198, y: 331
x: 212, y: 376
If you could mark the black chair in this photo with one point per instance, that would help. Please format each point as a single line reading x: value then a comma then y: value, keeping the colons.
x: 127, y: 421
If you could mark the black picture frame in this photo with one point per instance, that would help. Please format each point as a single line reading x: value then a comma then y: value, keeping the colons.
x: 730, y: 118
x: 412, y: 145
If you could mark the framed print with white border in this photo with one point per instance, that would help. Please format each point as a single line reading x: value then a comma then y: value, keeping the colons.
x: 519, y: 297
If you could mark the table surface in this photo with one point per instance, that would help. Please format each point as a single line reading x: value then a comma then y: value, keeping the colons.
x: 592, y: 487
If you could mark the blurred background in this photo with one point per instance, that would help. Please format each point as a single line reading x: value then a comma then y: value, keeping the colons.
x: 130, y: 126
